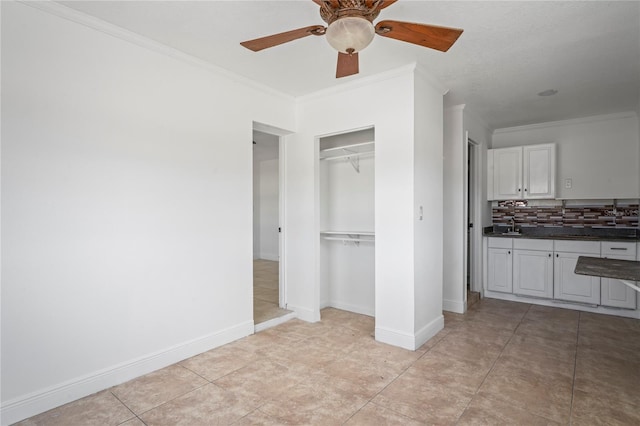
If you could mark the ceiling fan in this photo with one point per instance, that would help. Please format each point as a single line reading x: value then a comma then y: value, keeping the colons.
x: 350, y: 29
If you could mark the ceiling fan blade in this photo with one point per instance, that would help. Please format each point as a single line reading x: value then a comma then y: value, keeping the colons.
x: 431, y: 36
x: 276, y: 39
x: 347, y: 64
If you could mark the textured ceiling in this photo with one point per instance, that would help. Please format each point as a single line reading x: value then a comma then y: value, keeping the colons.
x: 587, y: 50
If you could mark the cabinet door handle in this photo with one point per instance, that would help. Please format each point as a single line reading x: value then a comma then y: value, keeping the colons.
x: 549, y: 254
x: 509, y: 252
x: 518, y: 189
x: 557, y: 255
x: 525, y: 190
x: 618, y: 248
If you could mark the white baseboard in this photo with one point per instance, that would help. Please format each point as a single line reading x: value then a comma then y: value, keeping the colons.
x: 456, y: 306
x: 428, y: 331
x: 407, y: 340
x: 269, y: 256
x: 364, y: 310
x: 42, y: 400
x: 628, y: 313
x: 305, y: 314
x: 274, y: 321
x: 395, y: 338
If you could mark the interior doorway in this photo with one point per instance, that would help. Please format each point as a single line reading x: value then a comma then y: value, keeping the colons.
x: 268, y: 292
x: 472, y: 293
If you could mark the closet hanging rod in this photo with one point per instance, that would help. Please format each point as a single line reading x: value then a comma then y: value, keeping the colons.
x: 371, y: 233
x: 337, y: 148
x: 351, y: 240
x: 354, y: 154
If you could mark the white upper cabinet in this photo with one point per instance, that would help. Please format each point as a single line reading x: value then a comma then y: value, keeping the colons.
x: 505, y: 177
x: 521, y: 172
x: 539, y: 171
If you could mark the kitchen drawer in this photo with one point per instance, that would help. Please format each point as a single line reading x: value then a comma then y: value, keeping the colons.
x: 527, y: 244
x: 583, y: 247
x: 495, y: 242
x: 612, y: 248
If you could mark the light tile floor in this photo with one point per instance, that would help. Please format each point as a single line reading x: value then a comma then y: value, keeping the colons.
x: 501, y: 363
x: 265, y: 291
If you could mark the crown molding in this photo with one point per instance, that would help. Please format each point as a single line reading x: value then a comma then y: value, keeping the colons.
x: 571, y: 122
x: 104, y: 27
x: 431, y: 79
x: 360, y: 82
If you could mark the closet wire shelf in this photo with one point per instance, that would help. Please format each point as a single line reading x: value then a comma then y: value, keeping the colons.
x: 350, y: 153
x: 347, y: 237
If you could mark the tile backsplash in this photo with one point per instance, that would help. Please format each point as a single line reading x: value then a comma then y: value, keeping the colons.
x: 605, y: 215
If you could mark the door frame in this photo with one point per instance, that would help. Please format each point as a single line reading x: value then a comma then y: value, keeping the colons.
x: 282, y: 279
x: 473, y: 210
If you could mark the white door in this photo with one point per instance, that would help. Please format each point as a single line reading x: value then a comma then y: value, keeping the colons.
x: 614, y: 293
x: 507, y: 173
x: 539, y: 171
x: 500, y: 270
x: 570, y: 286
x: 533, y: 273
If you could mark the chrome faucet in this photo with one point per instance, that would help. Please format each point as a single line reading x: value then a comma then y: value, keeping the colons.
x: 513, y: 224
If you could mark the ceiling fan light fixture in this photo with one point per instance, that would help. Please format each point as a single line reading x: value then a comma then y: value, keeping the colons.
x: 350, y: 34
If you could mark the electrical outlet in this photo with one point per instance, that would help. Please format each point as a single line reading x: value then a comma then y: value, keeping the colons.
x: 568, y: 183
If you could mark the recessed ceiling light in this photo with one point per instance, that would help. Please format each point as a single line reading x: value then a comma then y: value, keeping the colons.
x: 548, y: 92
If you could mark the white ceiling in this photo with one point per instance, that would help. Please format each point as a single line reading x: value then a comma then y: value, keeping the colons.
x: 587, y: 50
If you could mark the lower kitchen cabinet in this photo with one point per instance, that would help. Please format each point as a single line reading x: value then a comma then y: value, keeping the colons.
x: 573, y: 287
x: 533, y: 273
x: 545, y: 269
x: 613, y: 292
x: 500, y: 265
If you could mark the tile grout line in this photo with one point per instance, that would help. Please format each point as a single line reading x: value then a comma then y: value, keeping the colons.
x: 127, y: 407
x: 513, y: 333
x: 575, y: 367
x: 370, y: 400
x: 173, y: 399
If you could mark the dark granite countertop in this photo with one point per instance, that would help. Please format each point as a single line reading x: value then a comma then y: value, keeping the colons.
x: 608, y: 268
x: 566, y: 233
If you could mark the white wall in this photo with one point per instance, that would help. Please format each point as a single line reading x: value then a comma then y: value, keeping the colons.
x: 427, y: 222
x: 268, y: 189
x: 600, y: 154
x: 455, y: 221
x: 458, y: 120
x: 346, y: 109
x: 330, y: 113
x: 126, y: 209
x: 256, y: 209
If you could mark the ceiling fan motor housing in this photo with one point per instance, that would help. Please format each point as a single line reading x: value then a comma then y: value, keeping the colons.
x: 350, y: 34
x: 350, y: 23
x: 345, y: 8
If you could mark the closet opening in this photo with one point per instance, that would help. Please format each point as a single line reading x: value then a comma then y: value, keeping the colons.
x: 347, y: 238
x: 268, y: 290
